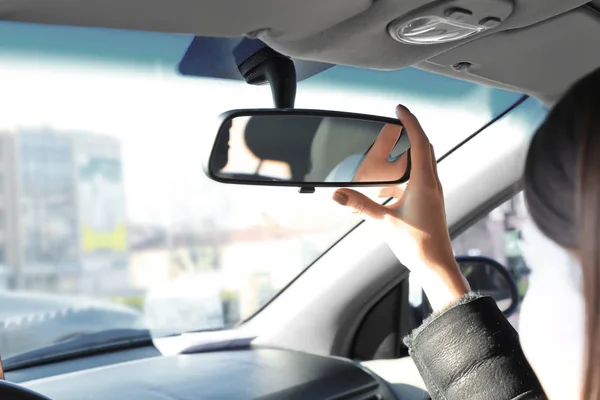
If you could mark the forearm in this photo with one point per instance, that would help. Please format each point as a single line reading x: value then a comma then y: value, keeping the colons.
x: 444, y: 285
x: 471, y: 352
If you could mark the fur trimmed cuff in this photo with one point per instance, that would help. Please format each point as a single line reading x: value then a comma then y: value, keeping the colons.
x: 467, y: 298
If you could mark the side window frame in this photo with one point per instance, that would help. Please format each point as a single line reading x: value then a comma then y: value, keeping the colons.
x: 395, y: 321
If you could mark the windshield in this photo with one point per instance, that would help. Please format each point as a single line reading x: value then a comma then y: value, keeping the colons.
x: 107, y: 221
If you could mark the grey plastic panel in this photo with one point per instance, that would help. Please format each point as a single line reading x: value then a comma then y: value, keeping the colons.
x: 286, y: 19
x: 231, y: 375
x: 349, y: 32
x: 363, y: 41
x: 77, y: 364
x: 402, y: 376
x: 545, y: 59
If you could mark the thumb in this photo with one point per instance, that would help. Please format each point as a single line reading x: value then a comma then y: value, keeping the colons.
x: 359, y: 203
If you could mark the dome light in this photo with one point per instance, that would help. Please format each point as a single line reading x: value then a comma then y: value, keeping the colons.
x: 432, y: 30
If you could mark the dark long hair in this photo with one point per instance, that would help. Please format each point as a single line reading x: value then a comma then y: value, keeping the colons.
x: 562, y: 191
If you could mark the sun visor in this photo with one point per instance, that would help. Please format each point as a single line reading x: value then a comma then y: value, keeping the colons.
x: 210, y: 57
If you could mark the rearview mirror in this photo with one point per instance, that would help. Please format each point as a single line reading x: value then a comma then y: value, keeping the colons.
x: 309, y: 148
x: 490, y: 278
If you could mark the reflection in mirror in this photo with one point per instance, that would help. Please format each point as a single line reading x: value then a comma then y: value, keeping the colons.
x: 310, y: 149
x: 490, y: 278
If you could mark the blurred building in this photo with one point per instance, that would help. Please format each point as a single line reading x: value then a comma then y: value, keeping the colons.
x: 62, y: 210
x: 496, y: 234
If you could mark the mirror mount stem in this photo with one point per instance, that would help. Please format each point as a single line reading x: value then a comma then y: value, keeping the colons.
x: 269, y: 66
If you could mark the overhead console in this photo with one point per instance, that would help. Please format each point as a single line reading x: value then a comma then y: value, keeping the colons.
x: 545, y: 59
x: 499, y: 42
x: 450, y: 21
x: 364, y: 40
x: 536, y: 46
x: 350, y: 32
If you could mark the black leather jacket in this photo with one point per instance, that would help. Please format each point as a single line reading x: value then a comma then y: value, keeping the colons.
x: 471, y: 352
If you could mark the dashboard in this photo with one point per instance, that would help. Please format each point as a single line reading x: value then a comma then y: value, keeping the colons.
x: 250, y: 373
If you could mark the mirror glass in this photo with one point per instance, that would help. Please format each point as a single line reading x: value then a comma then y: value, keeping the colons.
x: 486, y: 277
x: 289, y: 148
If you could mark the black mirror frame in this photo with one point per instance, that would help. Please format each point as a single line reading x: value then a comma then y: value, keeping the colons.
x: 307, y: 187
x: 514, y: 290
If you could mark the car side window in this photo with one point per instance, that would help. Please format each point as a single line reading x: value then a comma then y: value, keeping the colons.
x: 404, y: 308
x: 496, y: 236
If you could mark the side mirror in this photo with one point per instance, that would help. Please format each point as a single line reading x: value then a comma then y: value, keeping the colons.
x: 490, y: 278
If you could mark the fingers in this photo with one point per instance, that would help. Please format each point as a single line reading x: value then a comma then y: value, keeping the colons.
x: 435, y: 171
x: 387, y: 191
x: 386, y: 140
x: 359, y: 203
x: 396, y: 191
x: 421, y: 168
x: 437, y: 178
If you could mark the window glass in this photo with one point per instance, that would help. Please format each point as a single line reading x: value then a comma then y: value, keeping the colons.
x: 496, y: 236
x: 448, y: 109
x: 114, y: 213
x: 474, y: 167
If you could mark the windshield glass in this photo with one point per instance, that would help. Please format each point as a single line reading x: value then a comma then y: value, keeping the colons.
x: 107, y: 220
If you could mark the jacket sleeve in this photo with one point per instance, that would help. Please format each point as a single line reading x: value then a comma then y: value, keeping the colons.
x: 471, y: 352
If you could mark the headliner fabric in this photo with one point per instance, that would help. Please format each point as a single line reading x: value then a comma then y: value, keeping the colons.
x: 348, y: 32
x: 371, y: 47
x: 363, y: 40
x: 285, y: 19
x: 554, y: 50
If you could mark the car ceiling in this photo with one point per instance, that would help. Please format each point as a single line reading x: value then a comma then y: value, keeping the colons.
x: 540, y: 48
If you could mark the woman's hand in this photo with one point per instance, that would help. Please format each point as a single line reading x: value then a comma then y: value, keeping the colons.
x: 415, y: 225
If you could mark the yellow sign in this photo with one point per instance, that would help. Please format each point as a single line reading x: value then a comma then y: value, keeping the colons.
x: 102, y: 205
x: 115, y: 240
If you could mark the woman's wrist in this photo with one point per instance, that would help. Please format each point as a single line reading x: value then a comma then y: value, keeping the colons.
x: 443, y: 285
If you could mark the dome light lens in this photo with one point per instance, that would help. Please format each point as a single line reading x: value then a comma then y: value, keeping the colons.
x: 432, y: 30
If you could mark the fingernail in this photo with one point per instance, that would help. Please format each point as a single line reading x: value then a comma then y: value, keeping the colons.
x: 403, y: 107
x: 340, y: 198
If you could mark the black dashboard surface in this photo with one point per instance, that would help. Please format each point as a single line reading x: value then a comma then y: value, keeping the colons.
x: 80, y: 363
x: 257, y: 373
